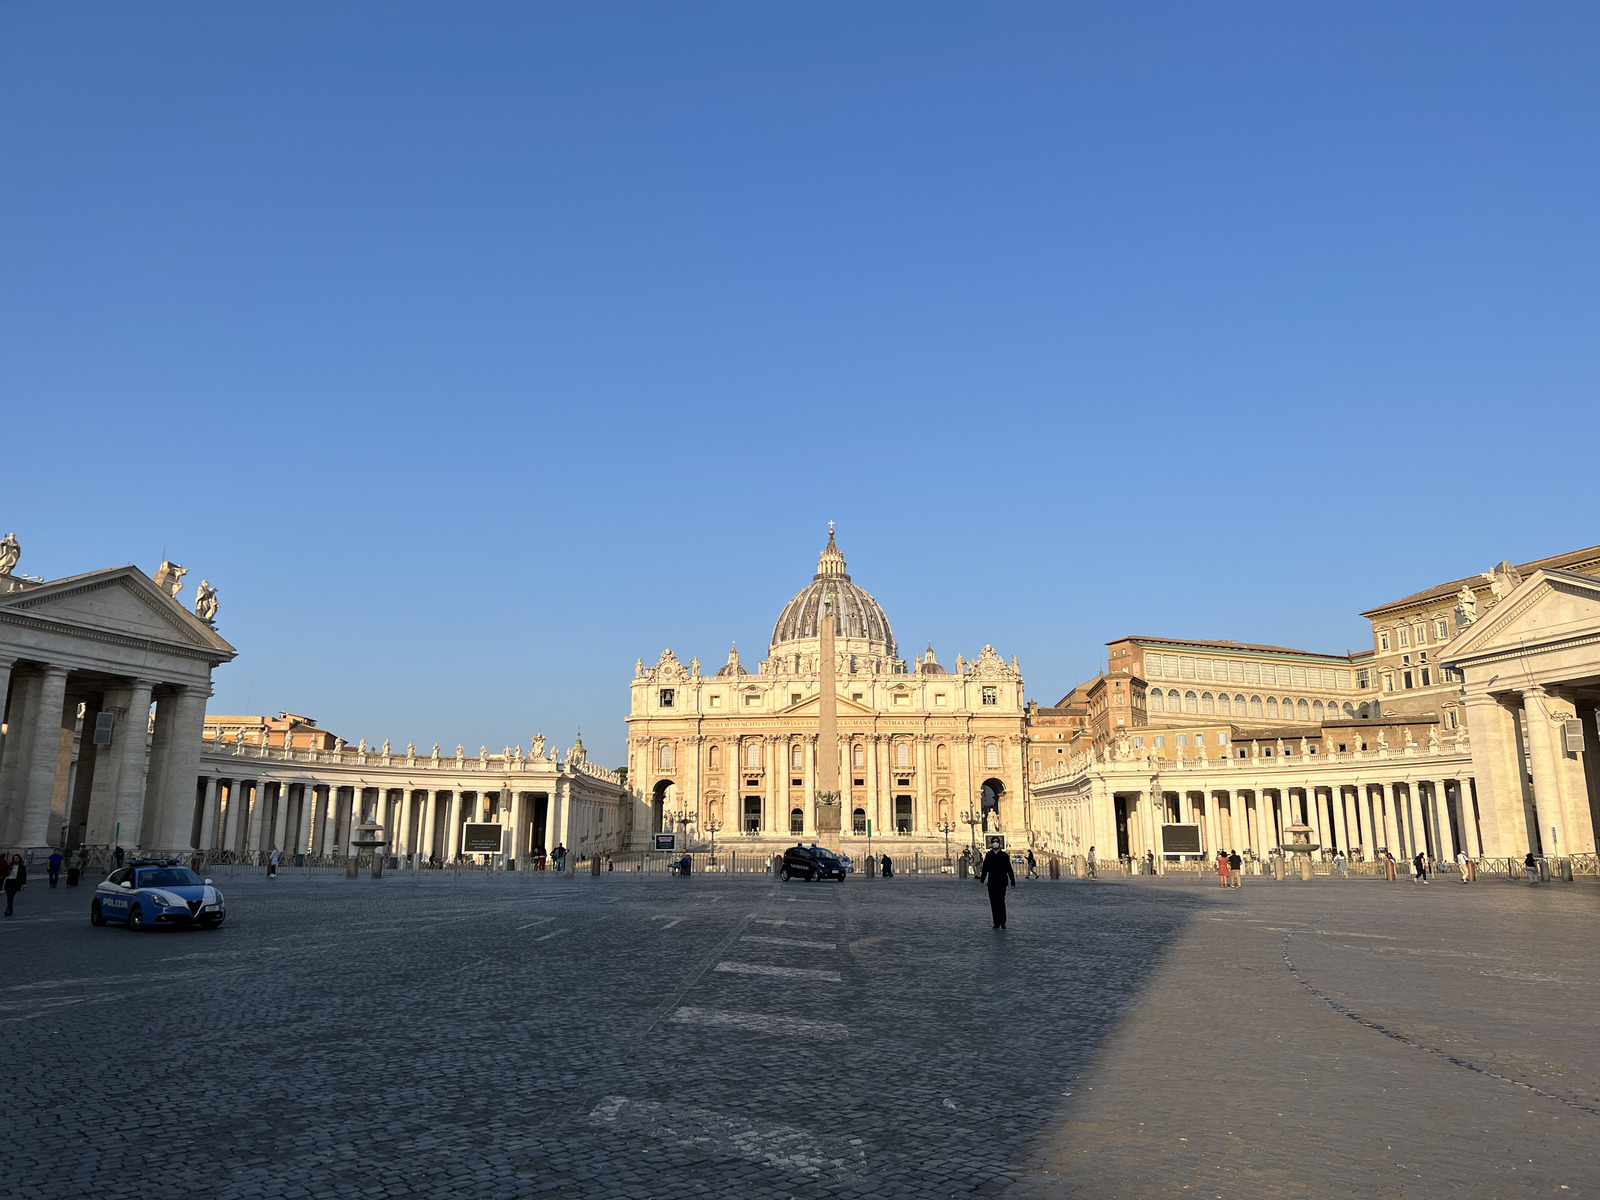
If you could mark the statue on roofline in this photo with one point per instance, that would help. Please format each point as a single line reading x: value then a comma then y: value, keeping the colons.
x: 10, y: 552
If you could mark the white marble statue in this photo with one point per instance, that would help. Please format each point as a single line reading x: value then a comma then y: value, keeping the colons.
x: 361, y: 746
x: 1433, y: 739
x: 10, y: 552
x: 1467, y: 605
x: 538, y: 745
x: 386, y: 746
x: 1497, y: 586
x: 436, y: 753
x: 169, y: 578
x: 411, y: 750
x: 205, y: 602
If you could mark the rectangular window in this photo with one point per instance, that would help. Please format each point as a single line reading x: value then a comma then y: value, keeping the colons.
x: 796, y: 697
x: 751, y: 699
x: 1186, y: 667
x: 1161, y: 741
x: 1252, y: 672
x: 1183, y: 739
x: 1152, y: 666
x: 1297, y: 676
x: 859, y: 756
x: 939, y: 699
x: 901, y: 698
x: 1421, y: 634
x: 1344, y: 679
x: 1407, y: 678
x: 1199, y: 739
x: 1383, y: 640
x: 1138, y: 744
x: 1388, y: 681
x: 1425, y: 681
x: 1202, y: 668
x: 666, y: 697
x: 1404, y: 635
x: 714, y: 701
x: 1441, y: 630
x: 1236, y: 672
x: 857, y: 696
x: 752, y: 754
x: 991, y: 695
x: 1363, y: 678
x: 797, y: 757
x: 1222, y: 739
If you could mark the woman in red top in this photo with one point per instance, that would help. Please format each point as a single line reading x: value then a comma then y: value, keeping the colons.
x: 1222, y: 869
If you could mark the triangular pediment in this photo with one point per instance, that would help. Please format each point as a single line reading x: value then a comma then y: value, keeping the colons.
x: 122, y: 600
x: 811, y: 706
x: 1548, y: 607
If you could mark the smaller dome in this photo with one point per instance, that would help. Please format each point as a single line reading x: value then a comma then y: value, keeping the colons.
x: 732, y: 666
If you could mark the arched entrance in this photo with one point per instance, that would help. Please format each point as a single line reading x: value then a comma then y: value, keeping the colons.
x: 659, y: 797
x: 797, y: 820
x: 993, y: 790
x: 858, y: 820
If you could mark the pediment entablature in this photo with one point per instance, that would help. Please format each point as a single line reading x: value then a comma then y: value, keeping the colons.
x: 122, y: 601
x: 811, y: 706
x: 1547, y: 608
x: 667, y: 669
x: 990, y: 665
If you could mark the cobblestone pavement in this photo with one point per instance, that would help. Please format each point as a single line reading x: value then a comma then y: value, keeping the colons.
x: 660, y: 1037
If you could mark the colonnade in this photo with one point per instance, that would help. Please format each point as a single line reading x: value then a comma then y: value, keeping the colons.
x: 1538, y: 788
x: 1119, y: 810
x: 252, y: 813
x: 84, y: 761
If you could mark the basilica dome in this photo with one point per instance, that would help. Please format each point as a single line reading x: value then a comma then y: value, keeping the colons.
x: 856, y: 615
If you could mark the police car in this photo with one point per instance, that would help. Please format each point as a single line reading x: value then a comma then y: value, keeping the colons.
x: 143, y: 894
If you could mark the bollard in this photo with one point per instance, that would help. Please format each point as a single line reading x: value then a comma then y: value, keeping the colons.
x: 1080, y: 867
x: 1055, y: 867
x: 1388, y: 869
x: 1472, y: 870
x: 594, y: 866
x: 961, y: 869
x: 1277, y: 867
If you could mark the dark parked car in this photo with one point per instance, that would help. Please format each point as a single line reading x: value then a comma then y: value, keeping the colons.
x: 811, y: 863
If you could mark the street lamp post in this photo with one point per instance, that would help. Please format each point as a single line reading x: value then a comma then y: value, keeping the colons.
x: 972, y: 820
x: 945, y: 827
x: 711, y: 827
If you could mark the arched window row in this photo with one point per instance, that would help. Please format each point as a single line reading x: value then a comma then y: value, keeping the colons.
x: 1221, y: 704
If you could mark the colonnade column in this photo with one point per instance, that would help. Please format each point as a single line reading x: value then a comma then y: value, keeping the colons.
x: 44, y: 753
x: 400, y: 840
x: 133, y: 760
x: 1551, y: 801
x: 208, y: 813
x: 1343, y: 819
x: 454, y: 810
x: 280, y: 823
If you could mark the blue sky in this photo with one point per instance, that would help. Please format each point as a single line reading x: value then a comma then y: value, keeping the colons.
x: 475, y: 350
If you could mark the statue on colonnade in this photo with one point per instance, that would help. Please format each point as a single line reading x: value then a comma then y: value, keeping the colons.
x: 10, y: 552
x: 205, y: 602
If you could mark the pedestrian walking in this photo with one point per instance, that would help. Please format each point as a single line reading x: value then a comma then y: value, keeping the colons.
x: 55, y: 867
x: 119, y: 858
x: 1235, y: 869
x: 74, y: 868
x: 1091, y: 862
x: 561, y: 858
x: 1222, y: 869
x: 996, y: 874
x: 1462, y: 864
x: 1033, y: 866
x: 1339, y: 863
x: 1149, y: 862
x: 1419, y: 864
x: 272, y: 863
x: 1530, y: 868
x: 16, y: 880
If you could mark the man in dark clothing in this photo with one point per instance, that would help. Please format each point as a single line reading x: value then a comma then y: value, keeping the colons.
x: 996, y: 874
x: 55, y: 866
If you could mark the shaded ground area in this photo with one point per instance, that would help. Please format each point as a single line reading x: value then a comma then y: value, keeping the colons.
x: 666, y: 1037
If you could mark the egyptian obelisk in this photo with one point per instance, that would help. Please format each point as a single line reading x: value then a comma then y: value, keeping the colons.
x: 830, y: 806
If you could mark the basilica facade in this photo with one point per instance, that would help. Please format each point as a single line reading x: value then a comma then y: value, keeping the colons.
x: 925, y: 751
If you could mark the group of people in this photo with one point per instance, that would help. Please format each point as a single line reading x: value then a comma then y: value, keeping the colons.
x: 1230, y: 869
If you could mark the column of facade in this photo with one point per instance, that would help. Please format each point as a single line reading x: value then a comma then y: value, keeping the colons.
x: 1552, y: 804
x: 172, y: 790
x: 922, y: 808
x: 228, y: 803
x: 1498, y: 775
x: 280, y: 818
x: 775, y: 818
x: 874, y: 805
x: 455, y: 809
x: 403, y: 841
x: 44, y: 754
x: 430, y: 827
x: 1342, y: 820
x: 208, y: 814
x: 1469, y: 826
x: 1385, y: 807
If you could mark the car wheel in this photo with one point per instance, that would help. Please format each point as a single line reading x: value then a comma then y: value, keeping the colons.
x: 784, y: 874
x: 135, y: 916
x: 96, y: 917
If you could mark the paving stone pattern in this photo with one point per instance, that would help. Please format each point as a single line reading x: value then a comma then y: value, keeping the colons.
x: 662, y: 1037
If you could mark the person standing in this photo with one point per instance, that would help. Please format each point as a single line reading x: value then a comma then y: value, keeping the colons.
x: 16, y: 880
x: 119, y: 858
x: 1235, y: 869
x: 1091, y: 862
x: 55, y: 867
x: 272, y: 863
x: 1530, y: 868
x: 1339, y: 863
x: 996, y: 874
x: 561, y: 858
x: 1033, y: 865
x: 1462, y: 864
x: 1149, y: 862
x: 74, y: 868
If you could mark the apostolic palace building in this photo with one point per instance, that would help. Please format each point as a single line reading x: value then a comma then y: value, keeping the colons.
x: 1467, y: 725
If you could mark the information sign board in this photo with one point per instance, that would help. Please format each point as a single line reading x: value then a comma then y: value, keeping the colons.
x: 666, y: 841
x: 1180, y: 839
x: 482, y: 839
